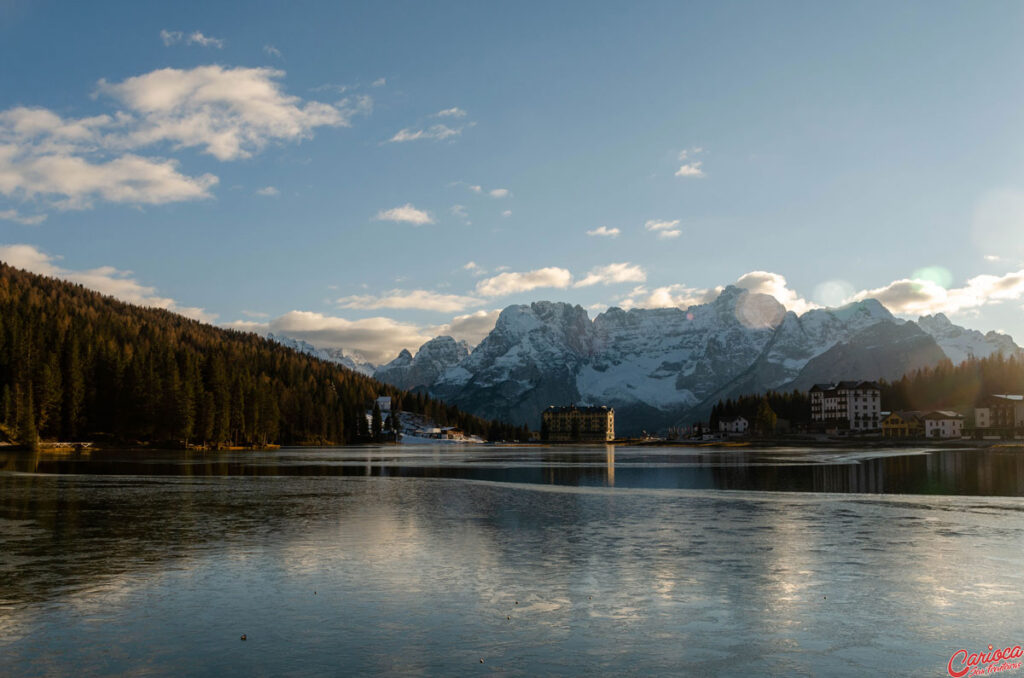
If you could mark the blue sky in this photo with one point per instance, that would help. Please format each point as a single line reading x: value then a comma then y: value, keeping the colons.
x: 331, y: 170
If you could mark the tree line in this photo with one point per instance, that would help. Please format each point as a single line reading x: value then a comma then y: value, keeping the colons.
x: 78, y: 366
x: 944, y: 386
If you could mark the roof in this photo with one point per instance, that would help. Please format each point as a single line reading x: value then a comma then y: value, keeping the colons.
x: 943, y: 414
x: 1008, y: 396
x: 906, y: 415
x: 849, y: 385
x: 589, y: 409
x: 729, y: 420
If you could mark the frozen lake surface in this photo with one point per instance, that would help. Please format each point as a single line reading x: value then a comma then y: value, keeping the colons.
x: 552, y: 561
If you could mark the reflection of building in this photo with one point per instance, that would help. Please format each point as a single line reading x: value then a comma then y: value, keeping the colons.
x: 737, y: 424
x: 999, y: 414
x: 903, y: 424
x: 849, y: 404
x: 943, y: 424
x: 573, y: 423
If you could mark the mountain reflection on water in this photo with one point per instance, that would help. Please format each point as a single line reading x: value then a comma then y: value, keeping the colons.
x: 984, y: 471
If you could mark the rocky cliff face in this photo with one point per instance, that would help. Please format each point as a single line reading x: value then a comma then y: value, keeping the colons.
x: 432, y: 360
x: 959, y: 343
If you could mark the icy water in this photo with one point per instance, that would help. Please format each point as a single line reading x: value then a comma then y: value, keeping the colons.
x: 624, y: 561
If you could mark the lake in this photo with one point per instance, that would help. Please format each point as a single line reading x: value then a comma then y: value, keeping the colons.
x: 538, y: 561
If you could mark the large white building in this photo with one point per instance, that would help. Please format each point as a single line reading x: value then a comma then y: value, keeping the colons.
x: 855, y: 405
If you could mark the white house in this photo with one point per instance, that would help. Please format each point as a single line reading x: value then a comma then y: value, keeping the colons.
x: 943, y: 424
x: 737, y: 424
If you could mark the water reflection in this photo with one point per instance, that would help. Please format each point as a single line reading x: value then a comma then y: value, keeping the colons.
x: 429, y: 575
x: 988, y: 472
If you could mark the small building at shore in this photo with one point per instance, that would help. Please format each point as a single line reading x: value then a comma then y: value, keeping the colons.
x: 737, y: 425
x: 570, y: 423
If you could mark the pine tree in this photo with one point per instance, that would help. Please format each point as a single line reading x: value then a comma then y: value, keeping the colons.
x: 375, y: 423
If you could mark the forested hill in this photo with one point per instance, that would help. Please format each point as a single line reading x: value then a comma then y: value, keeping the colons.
x: 76, y: 365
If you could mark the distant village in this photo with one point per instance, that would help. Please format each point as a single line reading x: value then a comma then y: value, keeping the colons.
x: 855, y: 408
x: 842, y: 409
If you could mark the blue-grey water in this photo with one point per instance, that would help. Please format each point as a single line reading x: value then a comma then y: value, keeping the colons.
x: 424, y: 560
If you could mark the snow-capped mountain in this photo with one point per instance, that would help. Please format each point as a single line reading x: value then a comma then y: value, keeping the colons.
x: 658, y: 367
x: 334, y: 355
x: 432, y: 360
x: 959, y: 343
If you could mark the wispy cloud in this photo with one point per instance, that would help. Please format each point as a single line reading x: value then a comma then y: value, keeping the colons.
x: 454, y: 112
x: 664, y: 229
x: 105, y: 280
x: 499, y: 193
x: 613, y: 273
x: 460, y: 212
x: 379, y: 82
x: 434, y: 132
x: 406, y: 213
x: 268, y: 191
x: 17, y: 217
x: 693, y: 167
x: 512, y: 282
x: 194, y: 38
x: 604, y: 232
x: 270, y: 50
x: 474, y: 268
x: 230, y: 113
x: 411, y: 299
x: 922, y: 297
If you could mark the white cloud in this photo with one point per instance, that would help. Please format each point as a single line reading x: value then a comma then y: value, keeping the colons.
x: 269, y: 191
x: 270, y: 50
x: 378, y: 339
x: 506, y: 213
x: 414, y: 299
x: 668, y: 296
x: 613, y: 273
x: 454, y: 112
x: 663, y: 228
x: 195, y: 38
x: 773, y: 284
x: 682, y: 296
x: 475, y: 188
x: 229, y: 112
x: 471, y: 328
x: 460, y: 212
x: 436, y: 132
x: 405, y: 214
x: 76, y: 182
x: 511, y: 283
x: 474, y: 268
x: 499, y: 193
x: 17, y: 217
x: 923, y: 297
x: 993, y: 257
x: 105, y: 280
x: 379, y: 82
x: 604, y: 231
x: 691, y: 169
